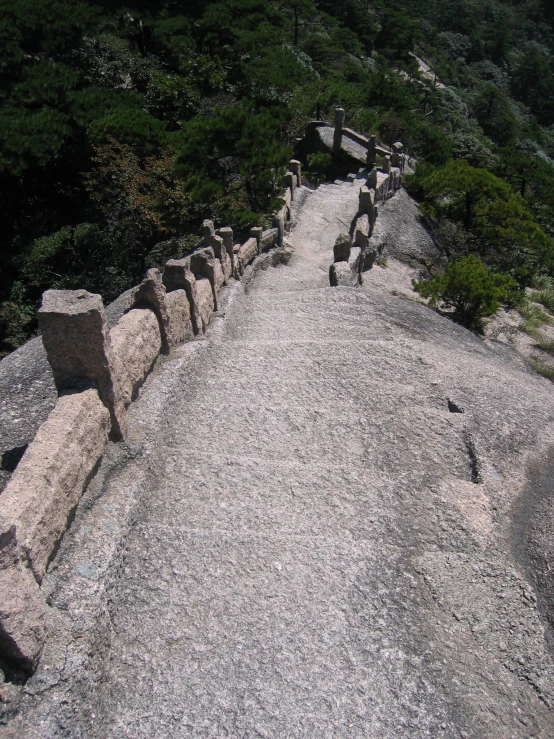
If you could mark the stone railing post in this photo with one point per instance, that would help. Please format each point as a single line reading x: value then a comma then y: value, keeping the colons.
x: 296, y: 168
x: 337, y: 139
x: 208, y: 232
x: 179, y: 276
x: 397, y: 158
x: 290, y: 183
x: 371, y: 152
x: 366, y: 200
x: 256, y: 233
x: 227, y: 236
x: 77, y: 343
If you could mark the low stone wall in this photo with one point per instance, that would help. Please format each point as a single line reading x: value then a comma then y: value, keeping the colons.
x: 97, y: 373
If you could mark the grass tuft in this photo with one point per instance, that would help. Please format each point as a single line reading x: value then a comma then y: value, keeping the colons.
x: 534, y: 317
x: 543, y: 369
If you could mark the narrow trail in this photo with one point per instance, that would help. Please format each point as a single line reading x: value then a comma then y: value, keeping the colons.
x: 315, y: 546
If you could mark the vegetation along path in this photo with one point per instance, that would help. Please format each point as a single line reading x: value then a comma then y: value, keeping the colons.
x: 311, y: 531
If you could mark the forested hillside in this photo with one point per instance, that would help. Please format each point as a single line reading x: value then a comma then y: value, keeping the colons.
x: 123, y: 125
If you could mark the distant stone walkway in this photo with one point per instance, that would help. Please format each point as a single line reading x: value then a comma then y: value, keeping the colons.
x: 299, y: 539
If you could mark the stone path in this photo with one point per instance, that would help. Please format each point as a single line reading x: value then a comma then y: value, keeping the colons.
x: 300, y: 539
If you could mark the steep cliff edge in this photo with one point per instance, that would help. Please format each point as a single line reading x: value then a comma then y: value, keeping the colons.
x: 310, y: 530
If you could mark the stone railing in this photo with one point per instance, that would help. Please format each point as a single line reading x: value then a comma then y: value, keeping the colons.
x: 97, y: 373
x: 351, y: 252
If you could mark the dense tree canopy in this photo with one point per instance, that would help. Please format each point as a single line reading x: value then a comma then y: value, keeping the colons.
x: 123, y: 124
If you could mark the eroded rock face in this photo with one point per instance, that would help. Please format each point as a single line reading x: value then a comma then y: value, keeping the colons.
x: 51, y: 477
x: 342, y: 248
x: 356, y: 523
x: 136, y: 343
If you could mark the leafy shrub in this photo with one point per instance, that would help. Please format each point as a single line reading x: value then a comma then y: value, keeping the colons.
x: 467, y: 290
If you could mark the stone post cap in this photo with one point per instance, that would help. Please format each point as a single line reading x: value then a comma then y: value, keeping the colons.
x: 226, y: 230
x: 339, y: 113
x: 294, y: 164
x: 70, y: 302
x: 398, y: 146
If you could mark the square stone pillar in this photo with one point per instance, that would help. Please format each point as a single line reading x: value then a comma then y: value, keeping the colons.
x: 228, y: 241
x: 372, y: 152
x: 290, y: 183
x: 372, y: 179
x: 366, y: 200
x: 179, y: 276
x: 296, y: 168
x: 256, y: 233
x: 77, y: 343
x: 208, y: 232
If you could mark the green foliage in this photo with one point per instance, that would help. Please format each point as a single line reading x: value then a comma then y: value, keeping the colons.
x: 134, y: 127
x: 467, y: 290
x: 123, y: 125
x: 455, y: 190
x: 236, y: 147
x: 495, y: 115
x: 497, y: 223
x: 319, y: 166
x: 16, y: 319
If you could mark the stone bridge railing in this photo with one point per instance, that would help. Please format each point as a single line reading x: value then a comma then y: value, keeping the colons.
x: 97, y: 373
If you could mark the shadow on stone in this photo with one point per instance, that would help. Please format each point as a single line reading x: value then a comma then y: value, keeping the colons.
x: 12, y: 457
